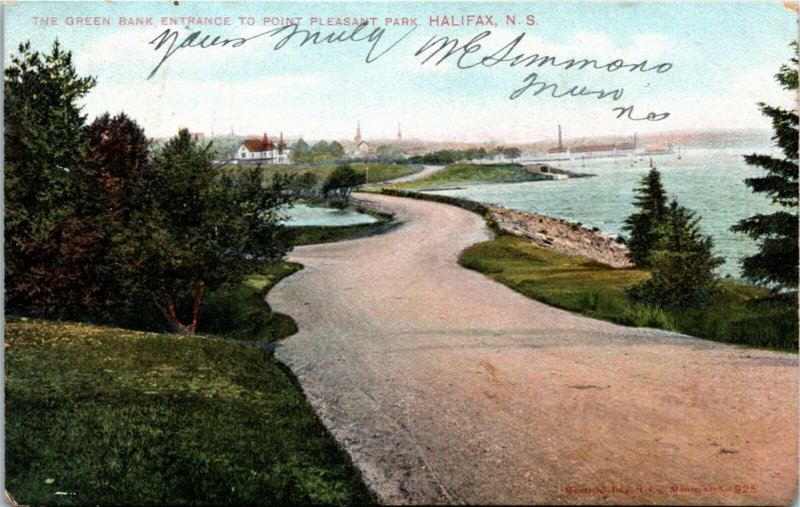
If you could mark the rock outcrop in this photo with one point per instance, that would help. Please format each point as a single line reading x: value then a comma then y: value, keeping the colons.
x: 562, y: 236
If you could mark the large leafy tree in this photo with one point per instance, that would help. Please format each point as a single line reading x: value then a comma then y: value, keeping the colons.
x: 682, y: 262
x: 776, y: 263
x: 198, y: 230
x: 45, y: 145
x: 644, y: 225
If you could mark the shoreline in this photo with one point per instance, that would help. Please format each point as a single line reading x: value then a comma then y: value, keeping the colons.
x: 559, y: 235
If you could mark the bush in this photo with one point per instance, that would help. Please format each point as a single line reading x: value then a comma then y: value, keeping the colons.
x: 341, y: 182
x: 643, y: 315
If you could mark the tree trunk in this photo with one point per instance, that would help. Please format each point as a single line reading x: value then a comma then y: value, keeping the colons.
x: 170, y: 312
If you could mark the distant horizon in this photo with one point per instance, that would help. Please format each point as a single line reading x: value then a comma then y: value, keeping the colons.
x: 699, y: 133
x: 673, y: 63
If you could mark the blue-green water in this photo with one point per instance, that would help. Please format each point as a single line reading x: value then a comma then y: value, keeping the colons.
x: 302, y: 215
x: 708, y: 181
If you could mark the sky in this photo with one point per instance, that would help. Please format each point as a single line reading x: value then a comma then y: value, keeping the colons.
x: 720, y: 60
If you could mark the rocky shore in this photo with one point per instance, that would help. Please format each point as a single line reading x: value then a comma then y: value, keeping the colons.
x: 562, y: 236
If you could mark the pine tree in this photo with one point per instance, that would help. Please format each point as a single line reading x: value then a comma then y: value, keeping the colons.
x: 45, y: 145
x: 682, y: 263
x: 644, y: 224
x: 776, y: 263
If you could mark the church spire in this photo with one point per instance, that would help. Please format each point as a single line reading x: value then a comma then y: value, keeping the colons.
x: 399, y: 133
x: 358, y: 133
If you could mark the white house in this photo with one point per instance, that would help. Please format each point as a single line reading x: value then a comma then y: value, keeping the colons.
x: 362, y: 148
x: 265, y: 151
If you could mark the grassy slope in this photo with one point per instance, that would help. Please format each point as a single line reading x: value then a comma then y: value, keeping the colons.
x: 240, y: 312
x: 741, y: 314
x: 312, y: 235
x: 119, y: 416
x: 465, y: 174
x: 113, y: 416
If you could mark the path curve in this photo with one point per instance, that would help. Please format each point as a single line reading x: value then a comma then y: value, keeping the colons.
x: 446, y: 387
x: 426, y: 171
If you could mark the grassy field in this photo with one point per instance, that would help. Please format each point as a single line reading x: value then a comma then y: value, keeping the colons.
x: 741, y: 314
x: 110, y: 416
x: 376, y: 173
x: 467, y: 174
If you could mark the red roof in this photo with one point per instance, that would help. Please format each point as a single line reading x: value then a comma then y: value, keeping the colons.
x: 264, y: 144
x: 259, y: 145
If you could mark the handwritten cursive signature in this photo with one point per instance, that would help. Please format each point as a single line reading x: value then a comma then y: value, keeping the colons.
x: 168, y: 39
x: 437, y: 50
x: 471, y: 54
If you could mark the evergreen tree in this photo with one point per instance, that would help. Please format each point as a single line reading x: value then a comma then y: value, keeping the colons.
x: 776, y: 263
x: 682, y: 262
x: 45, y: 145
x: 644, y: 225
x: 117, y: 166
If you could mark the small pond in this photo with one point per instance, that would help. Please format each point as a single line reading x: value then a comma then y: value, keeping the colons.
x: 303, y: 215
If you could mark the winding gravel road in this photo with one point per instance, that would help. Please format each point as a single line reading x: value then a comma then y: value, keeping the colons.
x: 427, y: 170
x: 446, y: 387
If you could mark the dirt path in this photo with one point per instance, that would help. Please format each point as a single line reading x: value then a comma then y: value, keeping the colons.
x: 426, y: 171
x: 446, y: 387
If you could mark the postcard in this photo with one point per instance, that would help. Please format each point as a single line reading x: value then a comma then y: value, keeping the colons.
x: 438, y: 252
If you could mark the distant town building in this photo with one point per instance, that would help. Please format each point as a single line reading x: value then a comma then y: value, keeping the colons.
x: 362, y: 148
x: 358, y: 139
x: 592, y: 150
x: 198, y: 136
x: 264, y: 151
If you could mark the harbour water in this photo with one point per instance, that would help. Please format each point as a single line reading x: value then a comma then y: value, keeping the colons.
x: 303, y: 215
x: 708, y: 181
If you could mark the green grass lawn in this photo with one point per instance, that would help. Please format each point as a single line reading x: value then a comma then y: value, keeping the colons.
x: 377, y: 172
x: 468, y: 174
x: 111, y: 416
x: 240, y: 312
x: 741, y: 313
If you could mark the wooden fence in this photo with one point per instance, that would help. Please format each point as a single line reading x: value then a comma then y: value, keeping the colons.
x: 367, y: 205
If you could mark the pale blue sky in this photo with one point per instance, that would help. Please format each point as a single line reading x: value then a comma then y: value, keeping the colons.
x: 723, y: 55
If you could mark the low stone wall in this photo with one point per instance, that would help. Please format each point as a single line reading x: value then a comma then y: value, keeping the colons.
x: 562, y: 236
